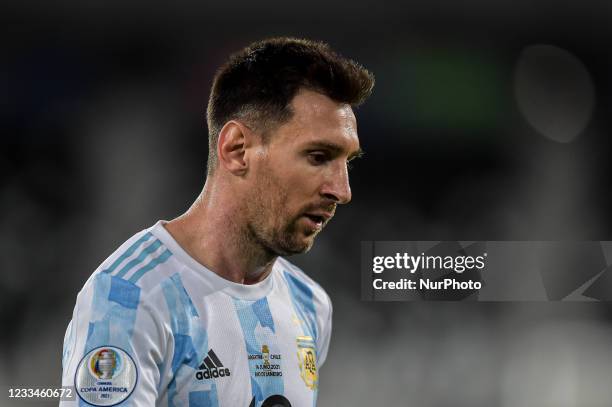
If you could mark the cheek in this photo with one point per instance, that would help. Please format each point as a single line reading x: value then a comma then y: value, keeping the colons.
x: 303, y: 189
x: 272, y: 196
x: 306, y: 178
x: 287, y: 189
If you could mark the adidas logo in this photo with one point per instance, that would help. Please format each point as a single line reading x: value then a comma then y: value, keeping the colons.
x: 211, y: 367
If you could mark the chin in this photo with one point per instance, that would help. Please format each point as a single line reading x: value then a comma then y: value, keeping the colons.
x: 290, y: 251
x: 297, y: 247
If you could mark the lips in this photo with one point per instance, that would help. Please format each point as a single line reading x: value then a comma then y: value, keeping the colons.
x: 318, y: 219
x: 313, y: 223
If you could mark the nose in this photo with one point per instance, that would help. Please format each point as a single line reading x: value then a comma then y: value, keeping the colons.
x: 337, y: 186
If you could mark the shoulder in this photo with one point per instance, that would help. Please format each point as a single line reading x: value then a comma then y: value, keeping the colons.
x: 131, y: 273
x: 303, y: 286
x: 137, y: 258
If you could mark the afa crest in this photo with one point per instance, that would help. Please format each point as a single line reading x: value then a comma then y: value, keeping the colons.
x: 307, y: 359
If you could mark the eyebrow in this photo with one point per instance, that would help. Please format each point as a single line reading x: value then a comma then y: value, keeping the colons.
x: 336, y: 149
x: 357, y: 154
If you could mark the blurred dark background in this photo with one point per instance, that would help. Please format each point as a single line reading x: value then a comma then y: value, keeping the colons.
x: 489, y: 121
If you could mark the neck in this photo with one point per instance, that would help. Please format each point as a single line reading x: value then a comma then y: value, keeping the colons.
x: 209, y: 232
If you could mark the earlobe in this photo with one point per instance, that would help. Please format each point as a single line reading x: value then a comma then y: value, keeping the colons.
x: 231, y: 148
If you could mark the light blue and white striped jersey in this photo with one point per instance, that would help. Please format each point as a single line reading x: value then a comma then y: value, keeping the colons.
x: 153, y: 327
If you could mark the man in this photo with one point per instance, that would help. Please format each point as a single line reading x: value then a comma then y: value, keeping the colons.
x: 201, y: 310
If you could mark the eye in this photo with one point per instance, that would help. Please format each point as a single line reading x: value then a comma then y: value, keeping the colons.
x: 318, y: 157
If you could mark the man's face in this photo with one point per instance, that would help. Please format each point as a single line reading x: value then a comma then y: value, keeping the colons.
x: 300, y: 175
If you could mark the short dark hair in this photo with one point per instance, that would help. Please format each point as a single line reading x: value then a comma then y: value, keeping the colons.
x: 258, y: 83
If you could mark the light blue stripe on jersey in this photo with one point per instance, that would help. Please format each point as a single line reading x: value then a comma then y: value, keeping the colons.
x: 114, y: 307
x: 151, y: 265
x: 204, y: 398
x: 136, y: 261
x: 255, y: 316
x: 128, y: 252
x: 301, y: 295
x: 190, y: 339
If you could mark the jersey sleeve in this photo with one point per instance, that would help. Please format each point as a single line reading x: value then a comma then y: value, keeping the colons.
x: 114, y: 346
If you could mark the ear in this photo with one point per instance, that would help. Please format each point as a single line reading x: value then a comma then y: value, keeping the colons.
x: 234, y: 139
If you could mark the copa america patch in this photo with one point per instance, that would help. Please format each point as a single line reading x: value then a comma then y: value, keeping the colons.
x: 106, y: 376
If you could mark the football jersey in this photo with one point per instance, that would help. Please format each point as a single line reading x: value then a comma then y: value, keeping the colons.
x: 153, y: 327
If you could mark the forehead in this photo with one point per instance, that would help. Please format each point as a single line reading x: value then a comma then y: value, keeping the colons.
x: 317, y: 118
